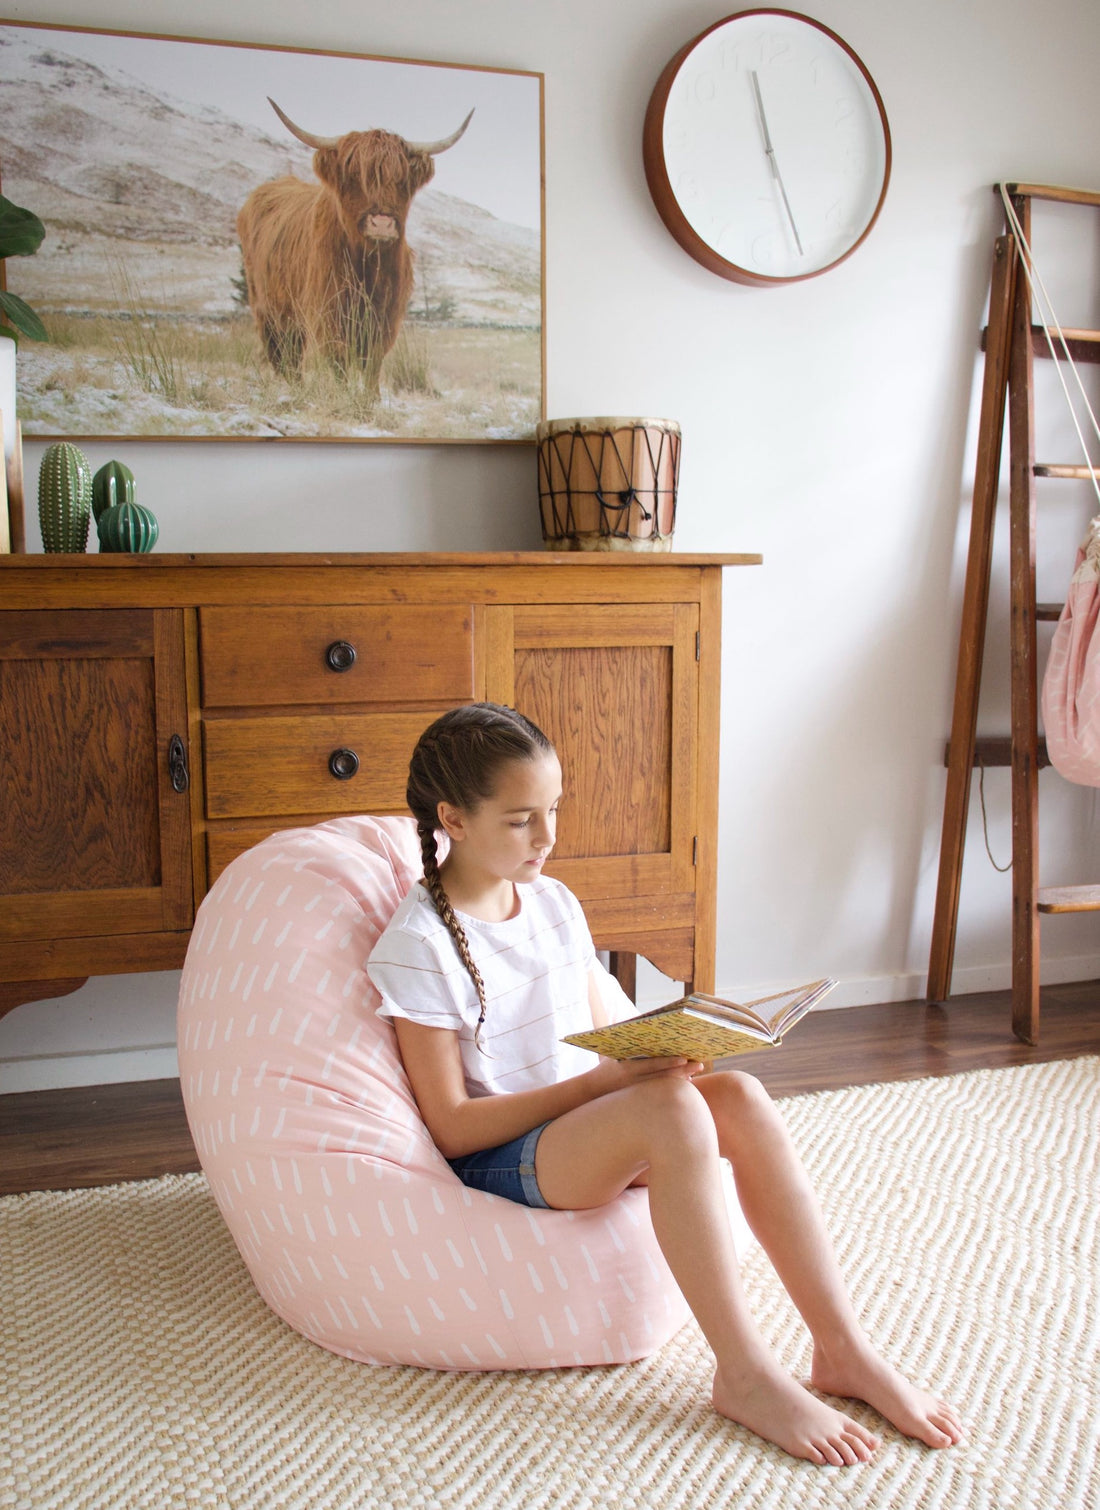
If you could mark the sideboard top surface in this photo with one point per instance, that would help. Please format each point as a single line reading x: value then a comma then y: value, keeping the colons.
x: 182, y: 581
x: 290, y: 560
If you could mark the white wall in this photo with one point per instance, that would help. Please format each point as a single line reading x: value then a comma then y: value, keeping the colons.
x: 829, y: 425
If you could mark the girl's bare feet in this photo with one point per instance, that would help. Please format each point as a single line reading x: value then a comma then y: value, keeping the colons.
x: 779, y: 1409
x: 858, y: 1373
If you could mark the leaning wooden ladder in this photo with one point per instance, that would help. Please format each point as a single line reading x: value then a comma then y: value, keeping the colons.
x: 1011, y: 343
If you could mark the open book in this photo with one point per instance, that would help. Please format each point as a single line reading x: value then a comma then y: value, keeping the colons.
x: 704, y: 1027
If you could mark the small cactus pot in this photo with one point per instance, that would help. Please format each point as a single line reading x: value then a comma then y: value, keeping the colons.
x: 128, y: 527
x: 64, y: 498
x: 113, y: 483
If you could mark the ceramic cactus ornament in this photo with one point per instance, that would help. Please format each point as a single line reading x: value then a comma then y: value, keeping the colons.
x: 127, y: 527
x: 113, y: 483
x: 64, y: 497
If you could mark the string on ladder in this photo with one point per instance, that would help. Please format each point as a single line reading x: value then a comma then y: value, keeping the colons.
x: 985, y: 819
x: 1049, y: 322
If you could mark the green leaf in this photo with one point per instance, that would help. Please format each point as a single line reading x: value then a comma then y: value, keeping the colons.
x: 22, y: 316
x: 21, y: 231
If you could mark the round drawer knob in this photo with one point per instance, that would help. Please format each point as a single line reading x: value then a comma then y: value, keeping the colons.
x: 343, y: 764
x: 340, y: 655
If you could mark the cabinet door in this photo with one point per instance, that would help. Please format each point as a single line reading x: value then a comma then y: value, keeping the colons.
x: 95, y: 834
x: 616, y: 688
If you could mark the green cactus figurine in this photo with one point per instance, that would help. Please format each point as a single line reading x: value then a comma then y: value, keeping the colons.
x: 127, y: 527
x: 64, y: 497
x: 113, y: 483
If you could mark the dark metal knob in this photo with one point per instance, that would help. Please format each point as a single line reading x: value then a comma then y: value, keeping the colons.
x: 177, y: 764
x: 340, y: 655
x: 343, y: 764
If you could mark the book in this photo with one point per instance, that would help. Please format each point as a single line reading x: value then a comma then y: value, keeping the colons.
x: 704, y: 1027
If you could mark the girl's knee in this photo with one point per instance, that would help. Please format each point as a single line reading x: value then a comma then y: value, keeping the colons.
x: 738, y: 1100
x: 674, y: 1114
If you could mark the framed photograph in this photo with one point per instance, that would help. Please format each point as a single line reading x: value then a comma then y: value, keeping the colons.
x: 252, y: 242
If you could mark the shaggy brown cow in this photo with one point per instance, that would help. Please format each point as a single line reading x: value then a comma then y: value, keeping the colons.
x: 328, y: 268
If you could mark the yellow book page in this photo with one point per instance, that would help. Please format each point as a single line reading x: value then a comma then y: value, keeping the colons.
x: 671, y: 1034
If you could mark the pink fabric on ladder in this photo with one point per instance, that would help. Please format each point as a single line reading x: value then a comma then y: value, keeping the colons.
x: 1071, y: 686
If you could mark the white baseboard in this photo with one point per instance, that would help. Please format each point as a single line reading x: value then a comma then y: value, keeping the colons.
x: 64, y: 1071
x: 158, y: 1061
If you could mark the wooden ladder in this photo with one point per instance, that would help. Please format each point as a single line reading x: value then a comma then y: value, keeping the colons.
x: 1011, y: 343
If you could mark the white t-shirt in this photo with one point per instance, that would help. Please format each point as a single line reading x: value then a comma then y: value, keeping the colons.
x: 535, y: 967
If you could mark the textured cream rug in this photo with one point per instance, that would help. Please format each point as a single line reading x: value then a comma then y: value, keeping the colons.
x: 139, y: 1368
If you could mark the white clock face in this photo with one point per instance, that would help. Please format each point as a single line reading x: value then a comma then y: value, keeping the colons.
x: 775, y: 145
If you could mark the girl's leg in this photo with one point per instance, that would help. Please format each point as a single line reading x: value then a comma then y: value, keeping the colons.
x: 661, y: 1132
x: 782, y: 1210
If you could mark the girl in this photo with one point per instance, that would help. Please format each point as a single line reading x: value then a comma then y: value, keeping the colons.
x: 485, y: 966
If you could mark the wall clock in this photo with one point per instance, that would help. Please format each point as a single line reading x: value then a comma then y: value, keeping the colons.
x: 766, y: 148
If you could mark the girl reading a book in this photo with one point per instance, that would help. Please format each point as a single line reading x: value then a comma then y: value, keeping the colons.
x: 485, y: 966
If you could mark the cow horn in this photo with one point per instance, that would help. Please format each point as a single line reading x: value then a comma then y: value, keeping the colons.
x: 431, y: 148
x: 318, y: 142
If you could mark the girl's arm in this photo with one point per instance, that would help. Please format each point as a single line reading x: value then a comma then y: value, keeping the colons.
x: 462, y: 1124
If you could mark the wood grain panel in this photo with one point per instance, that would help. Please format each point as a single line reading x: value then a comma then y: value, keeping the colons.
x: 609, y: 714
x: 78, y: 778
x: 261, y: 657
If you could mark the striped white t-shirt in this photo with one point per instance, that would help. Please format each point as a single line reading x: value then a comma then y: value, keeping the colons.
x: 535, y: 968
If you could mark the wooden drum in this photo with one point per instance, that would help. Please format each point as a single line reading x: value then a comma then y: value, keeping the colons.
x: 608, y: 484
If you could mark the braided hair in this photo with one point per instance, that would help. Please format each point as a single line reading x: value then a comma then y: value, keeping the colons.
x: 457, y: 760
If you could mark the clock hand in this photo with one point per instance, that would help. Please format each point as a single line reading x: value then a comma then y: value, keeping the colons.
x: 770, y: 153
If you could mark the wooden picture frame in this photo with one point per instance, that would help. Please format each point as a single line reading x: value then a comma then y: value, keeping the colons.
x: 139, y: 153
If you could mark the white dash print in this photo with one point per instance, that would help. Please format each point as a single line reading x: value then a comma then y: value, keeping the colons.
x: 470, y: 1304
x: 536, y: 1282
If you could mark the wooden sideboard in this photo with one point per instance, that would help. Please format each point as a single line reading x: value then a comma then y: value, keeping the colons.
x: 163, y: 713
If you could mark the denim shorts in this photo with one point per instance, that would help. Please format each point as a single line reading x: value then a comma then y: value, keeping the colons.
x: 508, y: 1170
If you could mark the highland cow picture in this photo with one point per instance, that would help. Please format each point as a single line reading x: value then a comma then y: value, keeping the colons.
x: 251, y: 242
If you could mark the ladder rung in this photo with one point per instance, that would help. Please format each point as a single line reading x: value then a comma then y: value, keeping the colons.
x: 1084, y: 345
x: 1047, y: 469
x: 1069, y: 899
x: 996, y: 750
x: 1050, y: 613
x: 1054, y: 192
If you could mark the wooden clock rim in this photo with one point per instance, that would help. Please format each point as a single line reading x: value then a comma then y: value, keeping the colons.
x: 660, y: 185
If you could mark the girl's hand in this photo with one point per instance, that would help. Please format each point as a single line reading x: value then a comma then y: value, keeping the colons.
x: 617, y: 1074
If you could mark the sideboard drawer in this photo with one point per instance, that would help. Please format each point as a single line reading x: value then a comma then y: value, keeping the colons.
x: 323, y: 763
x: 264, y: 657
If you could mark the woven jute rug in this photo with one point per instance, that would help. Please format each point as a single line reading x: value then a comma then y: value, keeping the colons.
x: 139, y: 1368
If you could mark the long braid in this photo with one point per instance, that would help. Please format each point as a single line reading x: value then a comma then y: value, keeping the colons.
x: 434, y: 882
x: 457, y: 760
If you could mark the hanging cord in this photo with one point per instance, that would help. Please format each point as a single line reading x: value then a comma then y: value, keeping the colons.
x: 985, y: 819
x: 1050, y: 322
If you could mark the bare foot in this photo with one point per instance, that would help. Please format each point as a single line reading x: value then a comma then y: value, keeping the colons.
x: 780, y: 1410
x: 860, y: 1374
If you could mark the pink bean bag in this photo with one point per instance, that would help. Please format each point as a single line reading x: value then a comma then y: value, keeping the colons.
x: 352, y: 1225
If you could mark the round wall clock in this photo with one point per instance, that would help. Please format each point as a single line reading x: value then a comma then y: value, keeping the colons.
x: 766, y: 148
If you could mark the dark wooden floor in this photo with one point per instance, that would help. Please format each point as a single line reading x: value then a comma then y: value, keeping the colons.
x: 102, y: 1134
